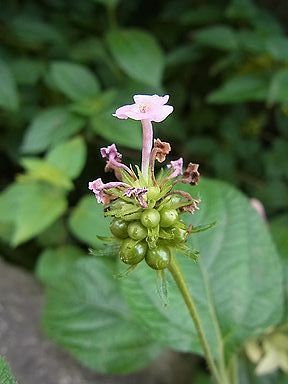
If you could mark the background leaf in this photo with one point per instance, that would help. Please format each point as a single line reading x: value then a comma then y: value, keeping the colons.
x: 221, y: 37
x: 87, y: 221
x: 241, y: 88
x: 74, y: 80
x: 49, y: 127
x: 229, y: 283
x: 126, y: 133
x: 30, y: 207
x: 278, y: 89
x: 86, y: 315
x: 138, y: 55
x: 8, y: 91
x: 69, y: 157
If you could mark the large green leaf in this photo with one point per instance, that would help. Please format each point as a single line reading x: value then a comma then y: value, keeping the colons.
x: 69, y: 157
x: 86, y: 315
x: 8, y: 91
x: 87, y: 221
x: 29, y: 208
x: 233, y: 295
x: 54, y: 262
x: 6, y: 376
x: 241, y: 88
x: 138, y: 55
x: 49, y: 127
x: 279, y: 228
x: 74, y: 80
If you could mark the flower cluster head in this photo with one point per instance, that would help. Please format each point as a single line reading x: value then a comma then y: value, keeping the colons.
x: 145, y: 207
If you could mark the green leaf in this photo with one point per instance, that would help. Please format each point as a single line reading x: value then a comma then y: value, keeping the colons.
x: 69, y: 157
x: 277, y: 47
x: 54, y: 262
x: 278, y: 91
x: 279, y: 229
x: 74, y: 80
x: 8, y: 91
x: 56, y: 234
x: 39, y: 206
x: 41, y: 170
x: 138, y: 54
x: 49, y: 127
x: 87, y: 316
x: 33, y: 31
x: 125, y: 132
x: 87, y: 221
x: 30, y: 207
x: 239, y: 89
x: 6, y: 376
x: 229, y: 283
x: 220, y: 37
x: 27, y: 71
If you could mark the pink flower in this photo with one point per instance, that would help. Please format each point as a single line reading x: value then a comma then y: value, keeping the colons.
x: 146, y: 107
x: 177, y: 167
x: 99, y: 188
x: 113, y: 160
x: 111, y: 153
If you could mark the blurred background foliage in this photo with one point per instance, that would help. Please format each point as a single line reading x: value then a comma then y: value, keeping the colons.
x: 66, y: 66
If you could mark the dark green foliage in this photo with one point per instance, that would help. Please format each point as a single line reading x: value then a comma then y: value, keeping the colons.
x: 64, y: 68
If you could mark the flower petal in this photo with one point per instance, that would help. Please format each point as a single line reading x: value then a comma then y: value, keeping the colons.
x: 161, y: 113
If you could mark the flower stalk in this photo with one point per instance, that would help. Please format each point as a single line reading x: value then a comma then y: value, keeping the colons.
x: 147, y: 142
x: 190, y: 304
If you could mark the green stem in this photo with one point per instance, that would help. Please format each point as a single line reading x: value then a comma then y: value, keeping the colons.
x: 233, y: 369
x: 189, y: 301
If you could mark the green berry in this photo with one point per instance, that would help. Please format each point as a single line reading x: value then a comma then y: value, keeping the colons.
x: 119, y: 228
x: 137, y: 231
x: 132, y: 252
x: 179, y: 235
x: 168, y: 217
x: 159, y: 257
x: 150, y: 218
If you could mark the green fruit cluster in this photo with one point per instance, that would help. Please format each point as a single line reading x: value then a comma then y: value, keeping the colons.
x: 150, y: 237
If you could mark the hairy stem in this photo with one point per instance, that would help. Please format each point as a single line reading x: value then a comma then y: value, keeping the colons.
x: 147, y: 142
x: 189, y: 301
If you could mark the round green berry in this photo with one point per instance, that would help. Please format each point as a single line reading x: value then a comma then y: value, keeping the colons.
x: 159, y: 257
x: 150, y: 218
x: 168, y: 217
x: 179, y: 235
x: 137, y: 231
x: 132, y: 252
x: 119, y: 228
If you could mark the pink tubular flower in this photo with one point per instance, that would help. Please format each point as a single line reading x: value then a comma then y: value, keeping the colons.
x: 177, y: 167
x: 146, y: 107
x: 111, y: 152
x: 113, y: 159
x: 138, y: 193
x: 99, y: 188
